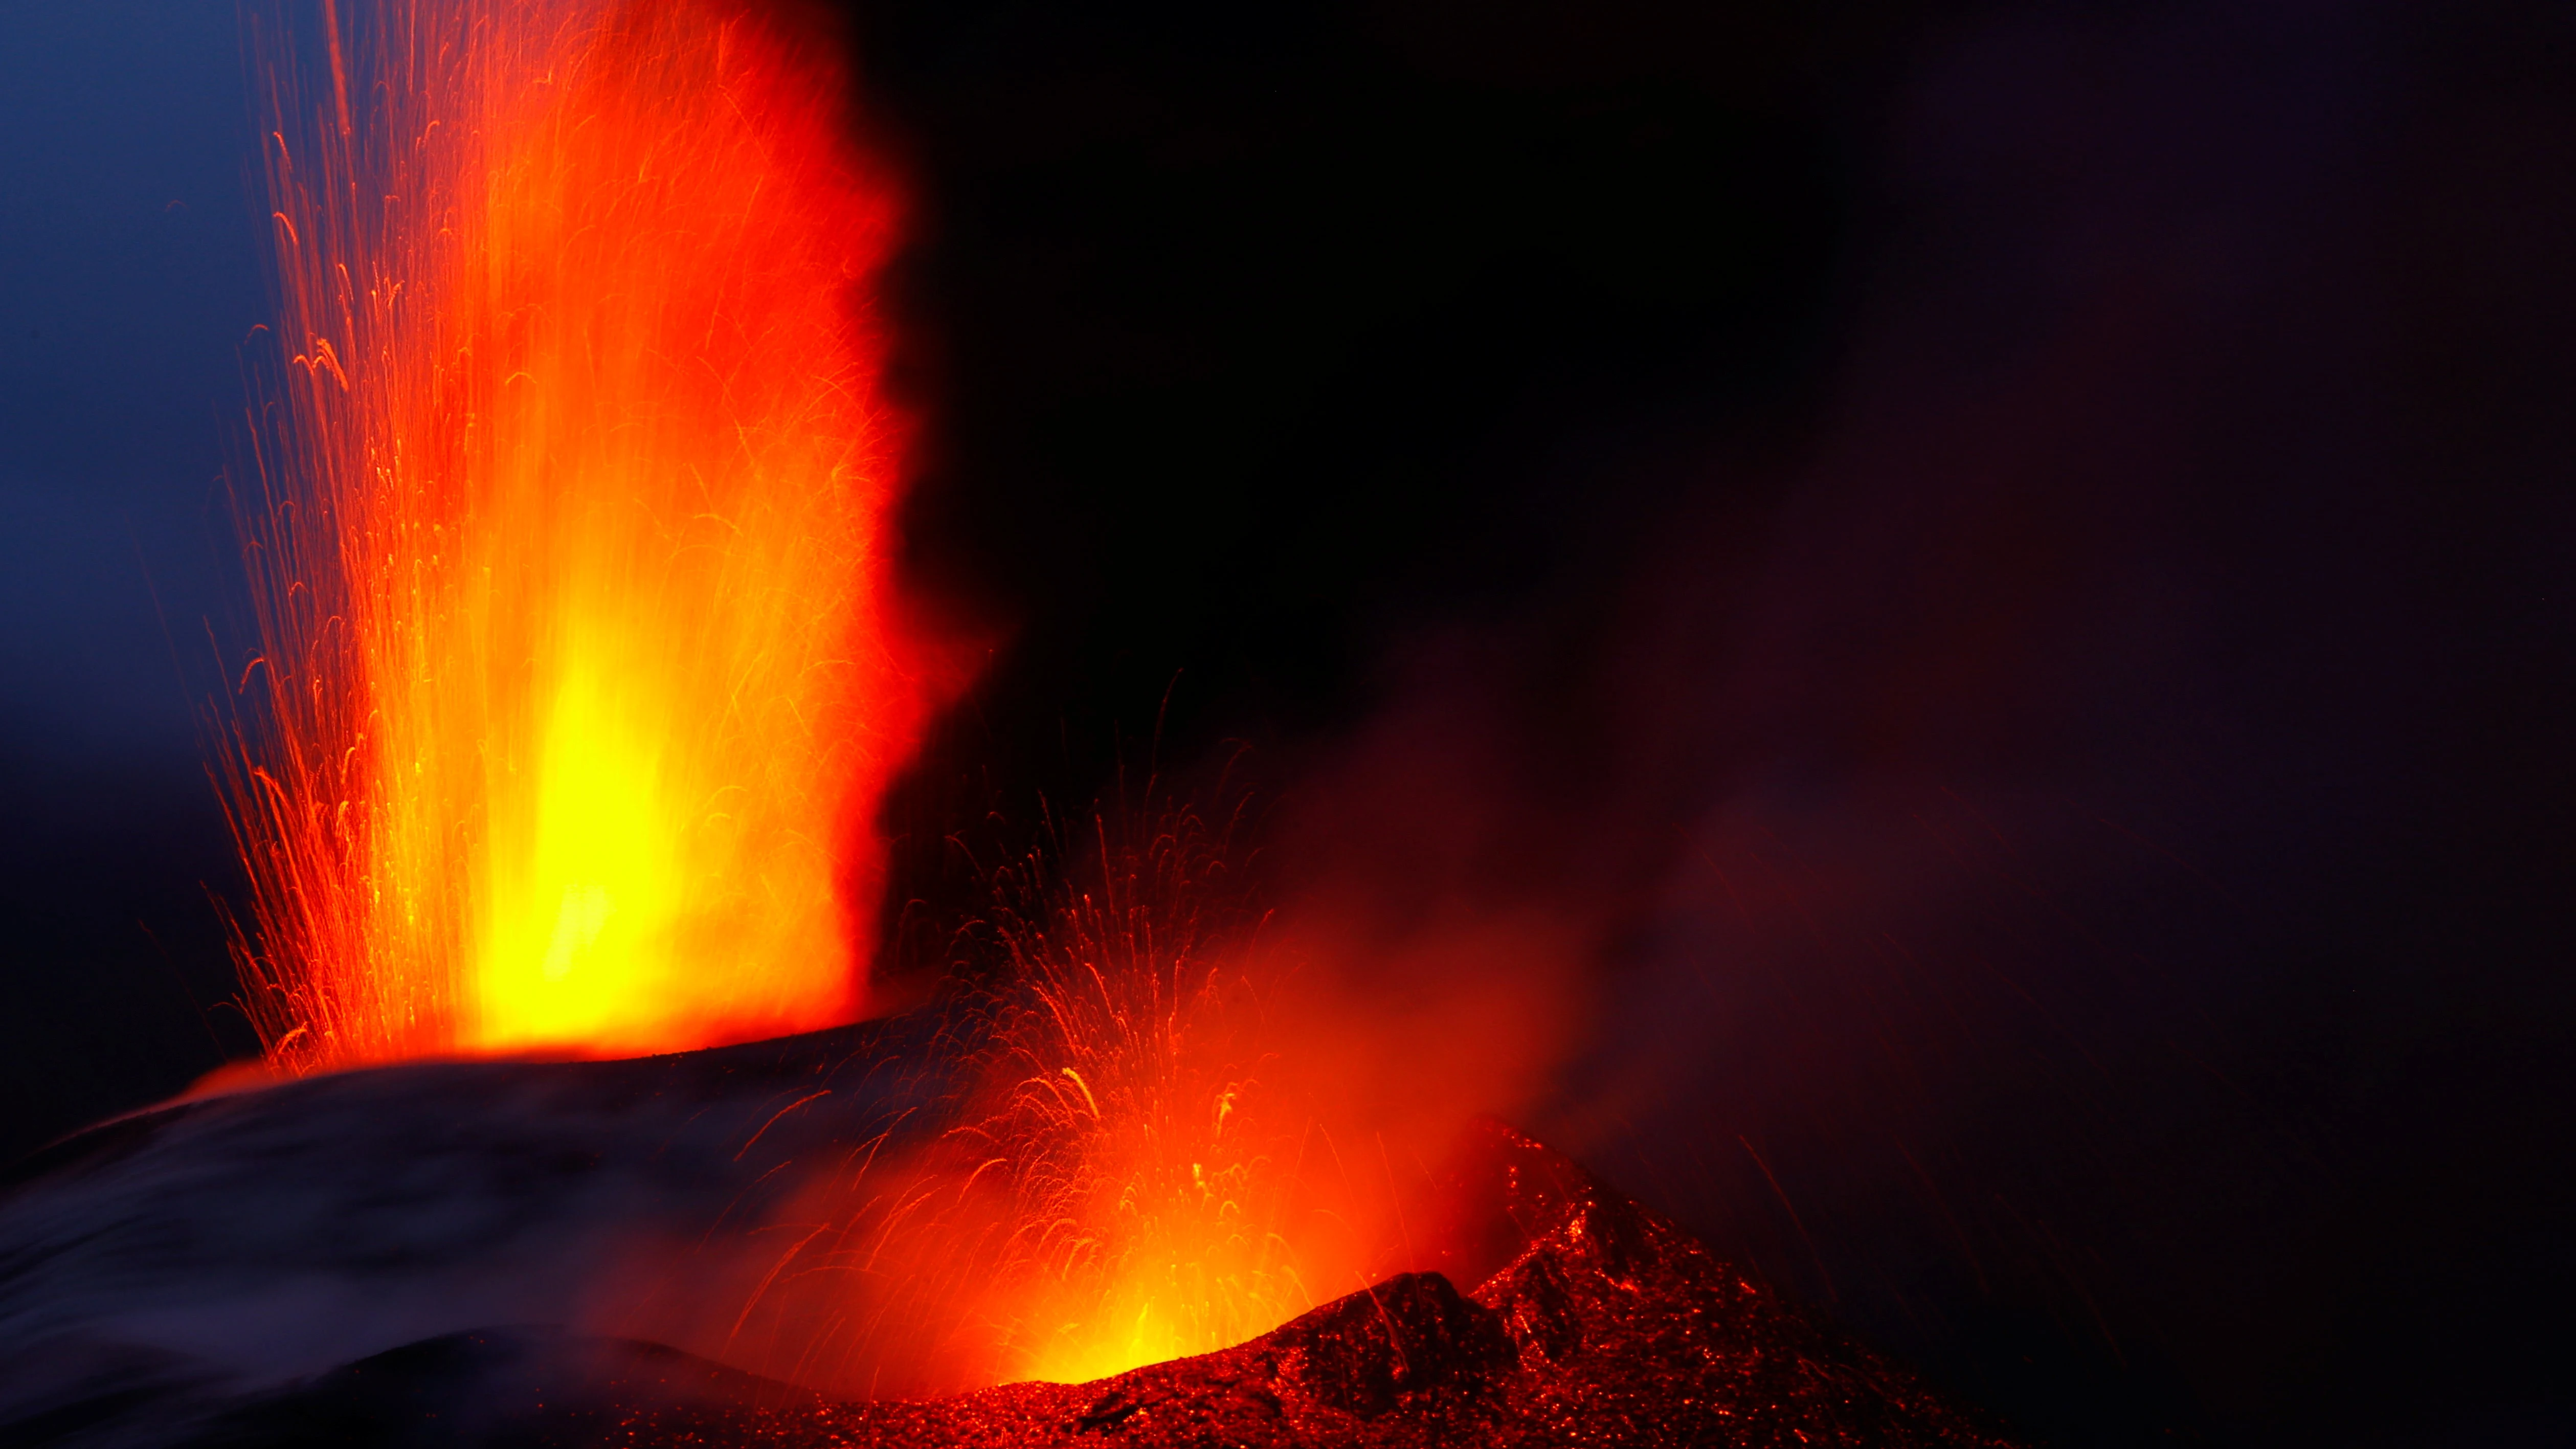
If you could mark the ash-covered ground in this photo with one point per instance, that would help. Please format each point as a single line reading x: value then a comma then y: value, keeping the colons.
x: 162, y: 1268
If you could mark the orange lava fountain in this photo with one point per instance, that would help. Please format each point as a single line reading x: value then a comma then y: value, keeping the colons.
x: 579, y: 670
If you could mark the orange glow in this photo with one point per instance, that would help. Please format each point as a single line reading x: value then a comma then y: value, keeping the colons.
x: 1131, y: 1176
x: 1160, y: 1195
x: 1169, y: 1193
x: 1178, y: 1233
x: 579, y: 673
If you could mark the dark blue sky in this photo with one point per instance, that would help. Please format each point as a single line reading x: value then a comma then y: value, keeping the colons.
x: 129, y: 275
x: 129, y: 245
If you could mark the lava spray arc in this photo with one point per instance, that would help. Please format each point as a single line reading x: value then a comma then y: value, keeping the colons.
x: 1137, y: 1169
x: 1171, y: 1198
x: 580, y: 666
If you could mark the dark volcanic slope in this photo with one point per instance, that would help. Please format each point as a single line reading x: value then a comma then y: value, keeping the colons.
x: 173, y: 1265
x: 1604, y: 1325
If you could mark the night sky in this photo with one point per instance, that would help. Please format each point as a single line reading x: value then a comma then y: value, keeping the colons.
x: 1990, y: 581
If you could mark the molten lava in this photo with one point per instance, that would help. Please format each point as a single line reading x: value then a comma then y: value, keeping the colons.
x: 1172, y: 1200
x: 579, y: 671
x: 1114, y: 1169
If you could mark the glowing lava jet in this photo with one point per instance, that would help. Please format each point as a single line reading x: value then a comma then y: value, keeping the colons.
x: 579, y: 671
x: 1171, y: 1198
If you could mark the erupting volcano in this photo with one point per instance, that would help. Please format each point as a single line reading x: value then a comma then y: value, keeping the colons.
x: 583, y: 675
x: 579, y: 672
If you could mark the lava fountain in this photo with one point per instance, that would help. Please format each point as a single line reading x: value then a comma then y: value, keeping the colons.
x: 580, y: 669
x: 1175, y: 1192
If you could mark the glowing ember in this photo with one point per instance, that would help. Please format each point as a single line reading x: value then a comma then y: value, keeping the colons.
x: 578, y: 671
x: 1120, y: 1173
x: 1171, y: 1200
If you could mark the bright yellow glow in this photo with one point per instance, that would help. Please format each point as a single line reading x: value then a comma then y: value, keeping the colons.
x: 1172, y: 1264
x: 1168, y: 1203
x: 585, y: 902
